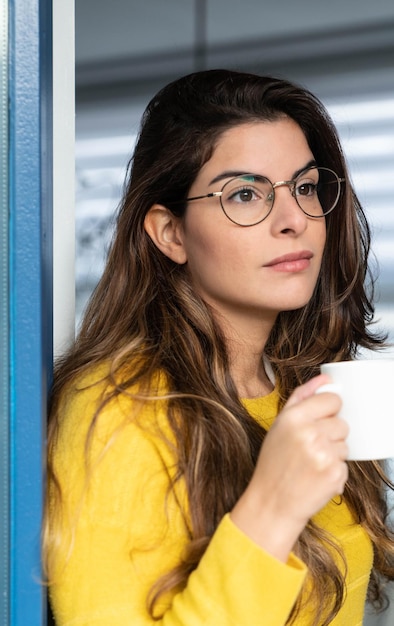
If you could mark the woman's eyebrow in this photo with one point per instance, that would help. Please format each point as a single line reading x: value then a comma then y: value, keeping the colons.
x: 311, y: 163
x: 229, y: 174
x: 234, y: 173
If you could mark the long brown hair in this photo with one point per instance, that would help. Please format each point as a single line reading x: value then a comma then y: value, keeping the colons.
x: 144, y: 312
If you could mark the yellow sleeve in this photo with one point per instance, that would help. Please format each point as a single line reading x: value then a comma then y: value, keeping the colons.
x: 127, y: 532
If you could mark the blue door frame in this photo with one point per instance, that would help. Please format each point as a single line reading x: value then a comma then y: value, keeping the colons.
x: 30, y: 298
x: 4, y: 320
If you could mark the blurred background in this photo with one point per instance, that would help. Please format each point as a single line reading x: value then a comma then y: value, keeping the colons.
x: 126, y: 50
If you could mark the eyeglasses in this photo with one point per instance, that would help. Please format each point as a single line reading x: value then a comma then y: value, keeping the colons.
x: 248, y: 199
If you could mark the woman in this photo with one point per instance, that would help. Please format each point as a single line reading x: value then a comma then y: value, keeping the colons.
x: 195, y: 476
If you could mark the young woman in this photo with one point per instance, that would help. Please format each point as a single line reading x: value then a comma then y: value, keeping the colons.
x: 195, y: 478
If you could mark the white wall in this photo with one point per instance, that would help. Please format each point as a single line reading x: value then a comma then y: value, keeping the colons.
x: 63, y: 172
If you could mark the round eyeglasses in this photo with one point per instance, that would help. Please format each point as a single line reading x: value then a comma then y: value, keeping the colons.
x: 248, y: 199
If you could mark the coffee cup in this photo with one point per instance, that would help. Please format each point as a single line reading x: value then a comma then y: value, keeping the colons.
x: 366, y: 388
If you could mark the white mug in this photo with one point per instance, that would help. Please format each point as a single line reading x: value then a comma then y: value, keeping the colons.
x: 366, y: 388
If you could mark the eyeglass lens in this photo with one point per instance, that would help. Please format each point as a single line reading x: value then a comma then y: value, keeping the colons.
x: 248, y: 199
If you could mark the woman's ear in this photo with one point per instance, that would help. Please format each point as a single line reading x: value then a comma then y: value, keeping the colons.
x: 164, y: 228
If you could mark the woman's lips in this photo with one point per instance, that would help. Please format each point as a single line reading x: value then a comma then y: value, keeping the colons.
x: 293, y: 262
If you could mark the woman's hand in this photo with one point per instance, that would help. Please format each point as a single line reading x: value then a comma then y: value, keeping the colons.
x: 301, y: 466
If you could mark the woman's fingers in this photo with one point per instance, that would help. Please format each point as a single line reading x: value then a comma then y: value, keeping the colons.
x: 300, y: 468
x: 308, y: 389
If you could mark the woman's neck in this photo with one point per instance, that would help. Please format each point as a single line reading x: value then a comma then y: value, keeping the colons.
x: 246, y: 362
x: 246, y: 334
x: 251, y: 380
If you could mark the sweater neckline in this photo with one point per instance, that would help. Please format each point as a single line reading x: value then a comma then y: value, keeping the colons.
x: 264, y: 409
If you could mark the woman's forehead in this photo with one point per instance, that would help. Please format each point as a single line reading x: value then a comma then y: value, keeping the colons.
x: 271, y: 148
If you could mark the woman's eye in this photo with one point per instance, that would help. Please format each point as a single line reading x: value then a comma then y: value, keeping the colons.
x: 244, y: 195
x: 306, y: 189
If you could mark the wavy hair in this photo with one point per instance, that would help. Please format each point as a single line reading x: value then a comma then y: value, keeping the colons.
x: 144, y: 312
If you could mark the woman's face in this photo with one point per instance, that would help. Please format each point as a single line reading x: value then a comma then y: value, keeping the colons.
x: 246, y: 273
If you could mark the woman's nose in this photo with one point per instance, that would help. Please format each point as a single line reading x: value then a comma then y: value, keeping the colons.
x: 287, y: 216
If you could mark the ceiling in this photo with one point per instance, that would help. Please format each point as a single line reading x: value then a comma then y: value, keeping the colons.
x: 123, y: 29
x: 125, y: 44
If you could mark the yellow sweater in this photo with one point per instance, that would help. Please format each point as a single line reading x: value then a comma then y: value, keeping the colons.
x: 127, y: 531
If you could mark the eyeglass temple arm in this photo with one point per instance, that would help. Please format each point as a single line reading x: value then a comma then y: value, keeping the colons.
x: 207, y: 195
